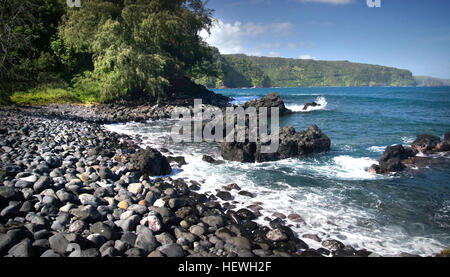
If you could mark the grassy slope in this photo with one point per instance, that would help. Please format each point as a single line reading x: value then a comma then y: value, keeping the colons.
x: 48, y: 96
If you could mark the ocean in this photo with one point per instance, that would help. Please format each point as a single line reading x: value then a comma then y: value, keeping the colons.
x: 333, y: 192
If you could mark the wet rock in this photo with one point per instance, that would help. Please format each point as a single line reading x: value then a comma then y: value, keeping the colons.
x: 172, y: 250
x: 333, y: 245
x: 425, y: 143
x: 102, y: 229
x: 311, y: 104
x: 58, y: 243
x: 245, y: 214
x: 295, y: 218
x: 276, y: 235
x: 269, y: 101
x: 22, y: 249
x: 151, y: 162
x: 224, y: 195
x: 42, y: 183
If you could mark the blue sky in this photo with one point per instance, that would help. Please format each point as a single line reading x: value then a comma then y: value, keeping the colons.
x: 410, y: 34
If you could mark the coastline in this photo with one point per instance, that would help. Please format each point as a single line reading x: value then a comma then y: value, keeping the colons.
x: 45, y: 208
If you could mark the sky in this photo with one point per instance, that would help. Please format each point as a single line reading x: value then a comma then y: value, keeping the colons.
x: 407, y: 34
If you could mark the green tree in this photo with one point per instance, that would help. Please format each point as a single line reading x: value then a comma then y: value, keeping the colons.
x: 138, y: 45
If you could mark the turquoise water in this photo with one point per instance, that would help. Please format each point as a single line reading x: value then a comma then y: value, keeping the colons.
x: 333, y: 192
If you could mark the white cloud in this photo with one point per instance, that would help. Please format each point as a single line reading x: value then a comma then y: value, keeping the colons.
x: 229, y: 37
x: 226, y: 37
x: 307, y: 57
x: 334, y: 2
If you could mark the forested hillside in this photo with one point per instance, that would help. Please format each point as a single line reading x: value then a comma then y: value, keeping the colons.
x: 239, y: 70
x: 425, y: 81
x: 105, y: 50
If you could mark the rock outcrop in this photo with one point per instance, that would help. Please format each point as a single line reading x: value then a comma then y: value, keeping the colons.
x: 395, y: 158
x: 269, y: 101
x: 151, y: 162
x: 291, y: 144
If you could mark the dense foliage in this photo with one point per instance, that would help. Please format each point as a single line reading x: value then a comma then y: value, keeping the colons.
x: 110, y: 48
x: 249, y: 71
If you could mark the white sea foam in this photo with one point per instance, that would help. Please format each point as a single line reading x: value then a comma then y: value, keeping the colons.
x: 325, y: 210
x: 376, y: 149
x: 322, y: 101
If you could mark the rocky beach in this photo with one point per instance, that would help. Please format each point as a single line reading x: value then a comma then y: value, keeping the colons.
x: 71, y: 188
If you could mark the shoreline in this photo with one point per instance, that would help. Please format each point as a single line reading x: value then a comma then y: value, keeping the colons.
x: 183, y: 229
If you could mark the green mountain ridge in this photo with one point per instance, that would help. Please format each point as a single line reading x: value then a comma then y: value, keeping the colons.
x: 240, y: 70
x: 427, y: 81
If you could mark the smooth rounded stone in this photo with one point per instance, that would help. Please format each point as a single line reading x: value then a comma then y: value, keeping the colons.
x: 42, y: 234
x: 240, y: 242
x: 8, y: 194
x: 86, y: 213
x: 87, y: 253
x: 123, y: 204
x: 29, y: 179
x: 246, y: 193
x: 279, y: 215
x: 170, y: 192
x: 109, y: 252
x: 89, y: 199
x: 105, y: 173
x: 50, y: 254
x: 121, y: 246
x: 276, y: 223
x: 22, y: 249
x: 40, y: 246
x: 197, y: 230
x: 66, y: 208
x: 159, y: 203
x: 59, y: 243
x: 77, y: 226
x: 27, y: 193
x: 183, y: 212
x: 153, y: 222
x: 102, y: 229
x: 224, y: 195
x: 295, y: 218
x: 22, y: 184
x: 65, y: 196
x: 175, y: 203
x: 246, y: 214
x: 146, y: 241
x: 165, y: 238
x: 97, y: 240
x: 213, y: 221
x: 276, y: 235
x: 172, y: 250
x: 135, y: 252
x: 155, y: 254
x: 262, y: 253
x: 44, y: 182
x: 135, y: 188
x: 312, y: 237
x: 139, y: 209
x: 180, y: 234
x: 10, y: 211
x: 126, y: 215
x: 5, y: 243
x: 128, y: 224
x: 26, y: 207
x: 129, y: 239
x: 57, y: 226
x: 49, y: 200
x: 333, y: 245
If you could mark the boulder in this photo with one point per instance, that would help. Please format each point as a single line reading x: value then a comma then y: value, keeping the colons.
x: 425, y: 143
x: 391, y: 160
x: 269, y: 101
x: 291, y: 144
x: 311, y: 104
x: 151, y: 162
